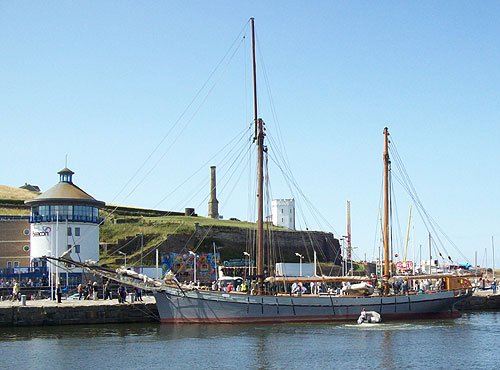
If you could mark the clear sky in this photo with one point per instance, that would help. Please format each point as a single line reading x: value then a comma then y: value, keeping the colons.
x: 104, y: 82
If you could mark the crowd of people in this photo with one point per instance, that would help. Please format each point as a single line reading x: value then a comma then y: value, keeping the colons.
x: 91, y: 290
x: 24, y: 283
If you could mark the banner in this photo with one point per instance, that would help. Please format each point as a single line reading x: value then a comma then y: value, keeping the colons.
x: 183, y: 265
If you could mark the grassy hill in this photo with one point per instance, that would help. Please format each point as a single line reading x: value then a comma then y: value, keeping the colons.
x: 10, y: 193
x: 12, y: 201
x: 122, y: 225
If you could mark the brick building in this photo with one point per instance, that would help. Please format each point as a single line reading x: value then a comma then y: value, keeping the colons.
x: 14, y: 241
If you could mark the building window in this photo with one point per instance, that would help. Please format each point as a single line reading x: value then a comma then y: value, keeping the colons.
x: 9, y: 264
x: 77, y: 249
x: 281, y: 210
x: 69, y: 247
x: 77, y: 231
x: 281, y: 220
x: 26, y: 248
x: 26, y: 232
x: 16, y: 264
x: 69, y: 231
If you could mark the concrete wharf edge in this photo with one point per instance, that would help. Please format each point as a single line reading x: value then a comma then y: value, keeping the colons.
x: 74, y: 312
x: 45, y: 312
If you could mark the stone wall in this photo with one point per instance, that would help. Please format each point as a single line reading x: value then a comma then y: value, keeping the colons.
x: 75, y: 315
x: 480, y: 302
x: 231, y: 242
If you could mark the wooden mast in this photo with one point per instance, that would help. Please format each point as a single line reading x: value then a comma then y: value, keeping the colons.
x: 259, y: 137
x: 387, y: 271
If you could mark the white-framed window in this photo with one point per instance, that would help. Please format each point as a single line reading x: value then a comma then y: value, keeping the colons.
x: 77, y: 231
x: 69, y: 231
x: 26, y: 248
x: 26, y: 232
x: 16, y: 264
x: 9, y: 264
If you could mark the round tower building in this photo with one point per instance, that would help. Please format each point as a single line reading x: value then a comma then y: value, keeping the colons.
x: 62, y: 218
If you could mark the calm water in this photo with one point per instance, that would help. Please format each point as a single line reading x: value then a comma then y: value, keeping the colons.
x: 469, y: 342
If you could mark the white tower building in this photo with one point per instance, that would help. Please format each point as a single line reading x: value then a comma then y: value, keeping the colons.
x: 284, y: 213
x: 64, y: 217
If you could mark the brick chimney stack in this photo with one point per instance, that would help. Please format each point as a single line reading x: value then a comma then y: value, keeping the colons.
x: 213, y: 203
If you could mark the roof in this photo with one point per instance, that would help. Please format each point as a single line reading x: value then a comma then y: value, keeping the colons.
x: 65, y: 170
x: 65, y: 193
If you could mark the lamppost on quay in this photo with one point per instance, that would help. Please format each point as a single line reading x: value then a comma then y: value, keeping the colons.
x: 248, y: 265
x: 300, y: 262
x: 125, y: 261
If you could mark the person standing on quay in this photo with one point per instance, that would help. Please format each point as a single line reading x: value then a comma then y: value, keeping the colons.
x: 123, y: 294
x: 138, y: 291
x: 80, y: 292
x: 105, y: 291
x: 89, y: 290
x: 16, y: 292
x: 59, y: 293
x: 94, y: 291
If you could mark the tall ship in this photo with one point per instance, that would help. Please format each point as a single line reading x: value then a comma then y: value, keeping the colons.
x: 180, y: 303
x: 177, y: 304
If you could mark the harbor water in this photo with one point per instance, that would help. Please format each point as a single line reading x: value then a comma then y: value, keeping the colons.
x: 469, y: 342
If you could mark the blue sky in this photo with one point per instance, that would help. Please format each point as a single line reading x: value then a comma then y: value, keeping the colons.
x: 104, y: 82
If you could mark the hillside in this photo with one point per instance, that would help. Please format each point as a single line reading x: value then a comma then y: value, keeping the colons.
x: 12, y: 200
x: 180, y: 234
x: 11, y: 193
x: 173, y: 232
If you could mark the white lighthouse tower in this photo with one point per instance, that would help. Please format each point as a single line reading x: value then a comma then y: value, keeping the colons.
x: 62, y: 218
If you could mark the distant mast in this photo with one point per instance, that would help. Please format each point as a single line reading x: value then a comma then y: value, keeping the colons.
x: 259, y: 138
x: 387, y: 162
x: 349, y: 247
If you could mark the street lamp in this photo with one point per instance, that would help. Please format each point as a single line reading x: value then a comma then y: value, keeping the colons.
x: 195, y: 264
x: 49, y: 265
x: 125, y: 255
x: 300, y: 262
x: 248, y: 265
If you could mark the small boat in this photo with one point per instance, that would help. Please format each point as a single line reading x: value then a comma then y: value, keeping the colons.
x: 364, y: 288
x: 371, y: 317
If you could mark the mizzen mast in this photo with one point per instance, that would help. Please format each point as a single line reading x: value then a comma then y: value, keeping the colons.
x: 387, y: 163
x: 259, y: 138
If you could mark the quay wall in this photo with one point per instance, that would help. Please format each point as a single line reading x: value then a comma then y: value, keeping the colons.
x: 52, y: 314
x: 480, y: 302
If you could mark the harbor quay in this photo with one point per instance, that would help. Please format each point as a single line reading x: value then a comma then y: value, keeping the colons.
x: 76, y: 312
x: 480, y: 300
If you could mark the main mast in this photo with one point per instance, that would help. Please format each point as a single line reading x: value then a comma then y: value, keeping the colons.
x: 259, y: 137
x: 387, y: 271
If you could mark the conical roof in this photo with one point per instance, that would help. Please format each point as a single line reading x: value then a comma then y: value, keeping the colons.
x: 65, y: 193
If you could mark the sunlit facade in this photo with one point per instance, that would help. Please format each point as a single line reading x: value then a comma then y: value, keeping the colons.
x: 64, y: 217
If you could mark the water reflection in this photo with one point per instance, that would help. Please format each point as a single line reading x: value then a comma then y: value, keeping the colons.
x: 293, y: 346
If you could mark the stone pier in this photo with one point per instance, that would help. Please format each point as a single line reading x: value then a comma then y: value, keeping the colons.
x: 75, y: 312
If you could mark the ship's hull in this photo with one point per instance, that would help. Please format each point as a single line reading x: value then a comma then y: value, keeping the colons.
x: 176, y: 306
